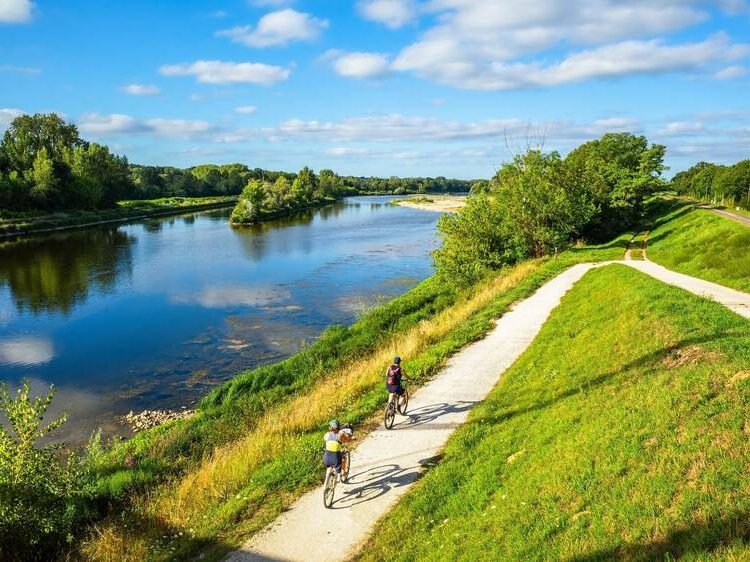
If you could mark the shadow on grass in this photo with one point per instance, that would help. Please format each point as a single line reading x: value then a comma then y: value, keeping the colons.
x: 703, y: 539
x: 603, y: 378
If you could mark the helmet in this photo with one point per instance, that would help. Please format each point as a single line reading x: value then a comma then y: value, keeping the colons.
x: 397, y: 360
x: 333, y: 424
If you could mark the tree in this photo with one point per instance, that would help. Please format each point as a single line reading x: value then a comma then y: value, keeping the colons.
x: 250, y: 205
x: 303, y: 187
x: 536, y: 206
x: 104, y: 177
x: 42, y: 174
x: 27, y: 134
x: 279, y: 193
x: 619, y: 170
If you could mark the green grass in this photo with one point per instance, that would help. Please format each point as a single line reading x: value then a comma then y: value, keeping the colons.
x: 18, y: 223
x: 621, y: 433
x: 700, y: 243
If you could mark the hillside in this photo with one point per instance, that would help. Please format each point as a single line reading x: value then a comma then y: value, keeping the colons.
x: 698, y: 242
x: 620, y: 433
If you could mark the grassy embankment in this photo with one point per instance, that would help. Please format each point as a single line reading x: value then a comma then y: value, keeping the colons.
x: 698, y: 242
x: 206, y: 484
x: 14, y: 224
x: 621, y: 433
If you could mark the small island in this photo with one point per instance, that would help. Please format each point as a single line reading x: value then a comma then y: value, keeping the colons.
x: 262, y: 200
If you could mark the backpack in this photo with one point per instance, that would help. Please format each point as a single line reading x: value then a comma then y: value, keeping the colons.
x: 394, y: 374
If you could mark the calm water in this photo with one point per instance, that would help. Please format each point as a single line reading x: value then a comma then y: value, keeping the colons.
x: 154, y: 313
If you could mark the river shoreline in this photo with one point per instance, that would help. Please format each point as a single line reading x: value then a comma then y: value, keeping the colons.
x: 141, y: 214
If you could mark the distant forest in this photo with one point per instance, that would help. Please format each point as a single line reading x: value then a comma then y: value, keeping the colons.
x: 46, y: 165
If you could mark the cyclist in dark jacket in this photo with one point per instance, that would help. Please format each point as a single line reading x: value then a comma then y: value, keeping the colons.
x: 393, y: 377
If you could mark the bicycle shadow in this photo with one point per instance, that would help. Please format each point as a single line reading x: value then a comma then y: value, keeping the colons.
x: 431, y: 412
x: 372, y: 483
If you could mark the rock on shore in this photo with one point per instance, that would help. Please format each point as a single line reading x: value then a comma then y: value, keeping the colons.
x: 151, y: 418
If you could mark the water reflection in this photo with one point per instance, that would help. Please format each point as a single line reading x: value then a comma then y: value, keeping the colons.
x: 26, y: 351
x: 283, y: 236
x: 153, y: 313
x: 232, y: 296
x: 53, y: 273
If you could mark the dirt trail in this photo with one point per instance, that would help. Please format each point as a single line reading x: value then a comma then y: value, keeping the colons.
x: 386, y: 463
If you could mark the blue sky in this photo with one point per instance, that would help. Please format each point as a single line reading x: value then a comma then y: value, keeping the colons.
x: 381, y: 87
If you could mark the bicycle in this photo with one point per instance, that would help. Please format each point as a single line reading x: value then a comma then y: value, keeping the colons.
x: 329, y: 488
x: 398, y: 405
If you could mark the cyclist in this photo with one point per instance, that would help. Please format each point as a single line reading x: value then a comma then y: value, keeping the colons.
x: 333, y: 443
x: 393, y: 377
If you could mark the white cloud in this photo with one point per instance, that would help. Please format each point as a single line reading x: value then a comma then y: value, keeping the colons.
x: 19, y: 69
x: 141, y: 89
x: 7, y: 115
x: 246, y: 109
x: 16, y: 11
x: 277, y: 28
x: 393, y: 127
x: 391, y: 13
x: 682, y: 128
x: 117, y: 124
x: 491, y: 44
x: 619, y: 59
x: 220, y: 72
x: 270, y: 3
x: 358, y: 65
x: 616, y: 123
x: 731, y: 72
x: 342, y: 151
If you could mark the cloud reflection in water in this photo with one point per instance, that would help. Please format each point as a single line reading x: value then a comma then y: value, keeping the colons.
x: 233, y: 295
x: 26, y: 351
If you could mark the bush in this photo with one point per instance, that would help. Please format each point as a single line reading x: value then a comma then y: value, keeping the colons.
x: 44, y: 493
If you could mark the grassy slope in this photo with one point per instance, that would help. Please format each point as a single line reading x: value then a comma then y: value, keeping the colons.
x: 263, y: 428
x: 22, y: 223
x: 700, y: 243
x: 621, y: 433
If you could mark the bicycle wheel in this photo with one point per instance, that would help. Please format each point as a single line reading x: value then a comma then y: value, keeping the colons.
x: 390, y: 415
x: 329, y: 488
x: 346, y: 465
x: 403, y: 402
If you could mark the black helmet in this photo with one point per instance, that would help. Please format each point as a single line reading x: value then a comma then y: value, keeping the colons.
x: 334, y: 424
x: 396, y: 360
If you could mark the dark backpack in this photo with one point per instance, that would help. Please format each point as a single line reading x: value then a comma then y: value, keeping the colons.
x: 394, y: 374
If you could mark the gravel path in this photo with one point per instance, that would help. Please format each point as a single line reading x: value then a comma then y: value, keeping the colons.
x: 386, y: 463
x: 742, y: 219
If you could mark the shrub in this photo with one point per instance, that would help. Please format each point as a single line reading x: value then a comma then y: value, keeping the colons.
x: 44, y: 493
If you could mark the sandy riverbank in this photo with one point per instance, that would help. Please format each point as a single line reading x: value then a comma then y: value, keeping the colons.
x: 435, y: 203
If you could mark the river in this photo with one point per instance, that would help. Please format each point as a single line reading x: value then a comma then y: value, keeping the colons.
x: 154, y: 313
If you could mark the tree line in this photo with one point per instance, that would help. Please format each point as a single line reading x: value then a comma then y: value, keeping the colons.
x: 727, y: 185
x: 540, y: 202
x: 46, y: 165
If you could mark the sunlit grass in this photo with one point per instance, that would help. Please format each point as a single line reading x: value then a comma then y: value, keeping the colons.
x: 620, y: 434
x: 700, y: 243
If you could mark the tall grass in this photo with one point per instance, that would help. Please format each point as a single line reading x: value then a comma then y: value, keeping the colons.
x: 621, y: 433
